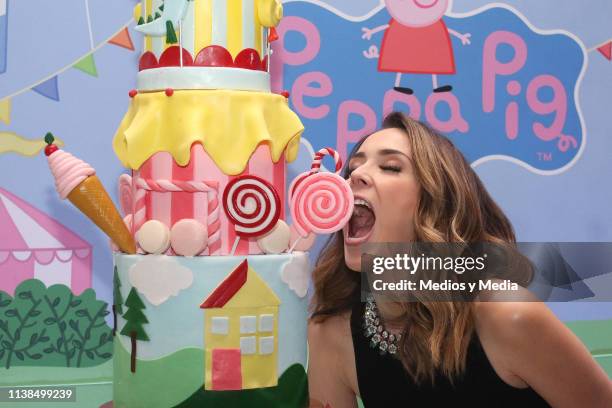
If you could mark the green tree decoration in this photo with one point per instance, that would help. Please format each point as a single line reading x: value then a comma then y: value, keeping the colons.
x: 135, y: 318
x: 141, y: 21
x: 117, y: 300
x: 170, y: 33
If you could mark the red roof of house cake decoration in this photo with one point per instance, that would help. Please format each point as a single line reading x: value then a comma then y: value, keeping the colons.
x: 228, y: 288
x: 211, y: 56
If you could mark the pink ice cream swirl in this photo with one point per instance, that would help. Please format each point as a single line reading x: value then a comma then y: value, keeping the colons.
x: 68, y: 171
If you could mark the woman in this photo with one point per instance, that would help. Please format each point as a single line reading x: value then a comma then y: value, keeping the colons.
x: 412, y: 185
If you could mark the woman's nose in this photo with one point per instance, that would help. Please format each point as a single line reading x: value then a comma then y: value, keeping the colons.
x: 358, y: 177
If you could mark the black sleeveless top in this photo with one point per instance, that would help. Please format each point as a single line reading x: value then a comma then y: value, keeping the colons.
x: 383, y: 382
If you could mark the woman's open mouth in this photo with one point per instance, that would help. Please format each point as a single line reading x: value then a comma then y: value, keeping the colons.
x: 361, y: 223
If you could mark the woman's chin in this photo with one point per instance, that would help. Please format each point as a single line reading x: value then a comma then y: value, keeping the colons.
x: 351, y: 259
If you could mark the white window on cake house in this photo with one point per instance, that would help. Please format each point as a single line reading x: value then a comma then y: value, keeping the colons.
x: 266, y: 323
x: 266, y: 345
x: 248, y: 345
x: 258, y: 330
x: 219, y: 325
x: 248, y: 324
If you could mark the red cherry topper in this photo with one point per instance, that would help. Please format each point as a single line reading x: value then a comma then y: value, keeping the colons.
x: 50, y: 148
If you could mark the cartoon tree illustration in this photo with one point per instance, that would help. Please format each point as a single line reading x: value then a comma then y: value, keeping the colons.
x: 135, y: 318
x: 117, y: 300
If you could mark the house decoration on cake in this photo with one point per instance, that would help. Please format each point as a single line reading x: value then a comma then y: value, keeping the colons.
x: 241, y: 333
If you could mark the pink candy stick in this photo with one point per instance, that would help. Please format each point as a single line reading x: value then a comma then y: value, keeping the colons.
x: 326, y: 151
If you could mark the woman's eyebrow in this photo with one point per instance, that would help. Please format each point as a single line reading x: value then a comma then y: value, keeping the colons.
x: 386, y: 152
x: 381, y: 152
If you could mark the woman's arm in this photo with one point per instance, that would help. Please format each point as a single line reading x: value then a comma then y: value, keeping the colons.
x: 540, y: 350
x: 327, y: 366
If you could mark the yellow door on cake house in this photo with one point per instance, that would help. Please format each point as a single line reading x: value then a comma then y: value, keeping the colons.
x: 241, y: 333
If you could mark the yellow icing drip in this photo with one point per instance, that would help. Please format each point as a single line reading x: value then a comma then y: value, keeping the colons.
x: 229, y: 124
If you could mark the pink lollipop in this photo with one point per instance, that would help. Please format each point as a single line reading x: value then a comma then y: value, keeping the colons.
x: 320, y: 202
x: 252, y: 205
x: 316, y: 166
x: 125, y: 194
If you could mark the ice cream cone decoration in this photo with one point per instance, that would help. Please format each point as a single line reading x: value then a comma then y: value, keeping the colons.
x: 77, y: 181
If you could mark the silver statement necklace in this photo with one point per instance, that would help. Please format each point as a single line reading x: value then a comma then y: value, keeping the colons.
x: 374, y: 330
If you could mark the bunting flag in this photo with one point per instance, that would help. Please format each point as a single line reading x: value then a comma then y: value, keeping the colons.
x: 606, y: 50
x: 5, y: 111
x: 122, y: 39
x: 87, y: 65
x: 48, y: 89
x: 3, y: 34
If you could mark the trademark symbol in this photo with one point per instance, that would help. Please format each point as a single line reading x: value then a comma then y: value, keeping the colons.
x: 544, y: 156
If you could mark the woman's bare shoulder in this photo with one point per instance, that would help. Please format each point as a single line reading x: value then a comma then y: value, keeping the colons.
x: 330, y: 334
x: 529, y: 346
x: 331, y: 363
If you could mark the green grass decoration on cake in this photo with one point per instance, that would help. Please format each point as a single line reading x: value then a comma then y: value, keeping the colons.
x: 176, y: 380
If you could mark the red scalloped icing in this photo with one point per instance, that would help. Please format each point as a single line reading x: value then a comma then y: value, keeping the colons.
x: 171, y: 57
x: 248, y: 59
x: 148, y: 60
x: 264, y: 63
x: 214, y: 56
x: 210, y: 56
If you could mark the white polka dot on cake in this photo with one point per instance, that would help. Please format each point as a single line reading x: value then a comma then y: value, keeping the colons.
x: 277, y: 240
x: 153, y: 237
x: 188, y: 237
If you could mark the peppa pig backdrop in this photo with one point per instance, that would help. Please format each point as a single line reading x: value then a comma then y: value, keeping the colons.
x: 524, y: 88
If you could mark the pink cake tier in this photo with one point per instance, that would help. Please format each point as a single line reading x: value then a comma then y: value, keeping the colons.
x: 185, y: 146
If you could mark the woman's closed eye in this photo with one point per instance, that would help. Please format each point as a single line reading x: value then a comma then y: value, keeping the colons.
x: 394, y: 169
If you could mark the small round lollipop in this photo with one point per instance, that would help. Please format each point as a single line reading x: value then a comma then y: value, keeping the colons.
x: 253, y: 206
x: 320, y: 202
x: 316, y: 166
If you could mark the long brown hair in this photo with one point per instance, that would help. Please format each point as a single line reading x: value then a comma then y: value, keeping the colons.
x: 454, y: 207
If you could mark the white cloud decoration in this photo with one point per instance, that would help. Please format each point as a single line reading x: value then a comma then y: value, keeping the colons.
x: 296, y: 274
x: 159, y: 277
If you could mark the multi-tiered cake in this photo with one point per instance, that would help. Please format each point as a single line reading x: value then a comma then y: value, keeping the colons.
x: 212, y: 309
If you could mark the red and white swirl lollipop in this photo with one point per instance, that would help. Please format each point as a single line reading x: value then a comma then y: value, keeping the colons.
x: 253, y: 206
x: 320, y: 202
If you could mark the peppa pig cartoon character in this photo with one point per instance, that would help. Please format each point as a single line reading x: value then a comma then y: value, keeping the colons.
x: 416, y: 41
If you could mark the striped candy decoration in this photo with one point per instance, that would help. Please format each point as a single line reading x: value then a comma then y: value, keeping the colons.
x: 326, y: 151
x: 210, y: 187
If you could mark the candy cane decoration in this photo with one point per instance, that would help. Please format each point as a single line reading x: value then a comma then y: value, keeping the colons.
x: 318, y: 157
x: 214, y: 225
x: 177, y: 186
x: 316, y: 166
x: 161, y: 185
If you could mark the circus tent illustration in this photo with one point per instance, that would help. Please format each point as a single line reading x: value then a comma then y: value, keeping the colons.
x: 34, y: 245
